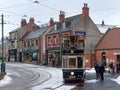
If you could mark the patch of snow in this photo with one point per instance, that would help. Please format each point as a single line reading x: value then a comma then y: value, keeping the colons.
x: 116, y: 80
x: 90, y: 70
x: 91, y: 81
x: 6, y: 80
x: 55, y: 81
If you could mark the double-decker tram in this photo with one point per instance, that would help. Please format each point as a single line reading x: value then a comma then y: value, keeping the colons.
x: 73, y: 62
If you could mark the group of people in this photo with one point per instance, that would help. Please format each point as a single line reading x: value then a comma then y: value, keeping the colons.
x: 112, y: 68
x: 100, y: 69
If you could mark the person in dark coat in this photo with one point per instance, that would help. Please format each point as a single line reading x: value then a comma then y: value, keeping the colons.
x: 97, y: 69
x: 111, y: 66
x: 102, y: 70
x: 117, y: 67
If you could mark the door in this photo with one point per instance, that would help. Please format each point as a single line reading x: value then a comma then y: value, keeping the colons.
x: 80, y: 62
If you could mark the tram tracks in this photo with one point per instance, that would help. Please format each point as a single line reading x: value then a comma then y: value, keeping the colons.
x: 32, y: 77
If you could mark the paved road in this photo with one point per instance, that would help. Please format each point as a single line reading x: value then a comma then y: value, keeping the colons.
x: 107, y: 84
x: 24, y: 77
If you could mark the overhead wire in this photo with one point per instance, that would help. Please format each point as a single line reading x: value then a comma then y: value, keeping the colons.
x: 19, y: 5
x: 38, y: 2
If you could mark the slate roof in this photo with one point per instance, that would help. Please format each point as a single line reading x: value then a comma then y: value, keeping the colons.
x: 35, y: 33
x: 19, y: 28
x: 70, y: 22
x: 111, y: 40
x: 103, y: 27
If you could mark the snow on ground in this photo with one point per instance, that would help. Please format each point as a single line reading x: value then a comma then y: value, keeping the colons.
x: 90, y: 71
x: 91, y: 81
x: 55, y: 81
x: 117, y: 80
x: 6, y: 80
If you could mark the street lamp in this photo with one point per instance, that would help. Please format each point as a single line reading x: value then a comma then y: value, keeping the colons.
x: 3, y: 64
x: 61, y: 45
x: 91, y: 46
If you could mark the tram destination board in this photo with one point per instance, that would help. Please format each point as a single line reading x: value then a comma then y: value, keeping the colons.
x: 72, y: 52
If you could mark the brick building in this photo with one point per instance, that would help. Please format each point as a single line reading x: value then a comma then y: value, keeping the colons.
x: 108, y: 48
x: 68, y: 26
x: 15, y: 50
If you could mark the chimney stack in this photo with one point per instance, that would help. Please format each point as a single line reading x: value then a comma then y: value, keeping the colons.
x: 23, y: 22
x: 31, y: 20
x: 51, y: 22
x: 61, y: 16
x: 85, y: 10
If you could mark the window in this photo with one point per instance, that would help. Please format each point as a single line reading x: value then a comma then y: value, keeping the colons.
x: 55, y: 40
x: 66, y: 43
x: 24, y: 44
x: 36, y: 42
x: 49, y: 41
x: 28, y: 43
x: 103, y: 56
x: 80, y: 44
x: 32, y: 43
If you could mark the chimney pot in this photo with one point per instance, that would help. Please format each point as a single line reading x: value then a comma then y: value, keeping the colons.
x: 85, y: 10
x: 51, y: 22
x: 23, y: 22
x: 62, y: 16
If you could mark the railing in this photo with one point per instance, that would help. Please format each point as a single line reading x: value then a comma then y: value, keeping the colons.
x: 73, y: 46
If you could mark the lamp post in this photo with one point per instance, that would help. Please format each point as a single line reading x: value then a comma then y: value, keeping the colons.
x: 3, y: 64
x: 91, y: 45
x: 61, y: 45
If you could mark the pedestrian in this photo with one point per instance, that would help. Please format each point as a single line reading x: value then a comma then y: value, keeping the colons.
x: 97, y: 69
x: 117, y: 67
x: 111, y: 66
x: 104, y: 63
x: 53, y: 62
x: 102, y: 70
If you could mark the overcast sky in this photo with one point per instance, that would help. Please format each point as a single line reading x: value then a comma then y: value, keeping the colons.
x: 14, y: 10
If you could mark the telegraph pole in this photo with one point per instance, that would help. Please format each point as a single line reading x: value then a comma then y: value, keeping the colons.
x: 3, y: 64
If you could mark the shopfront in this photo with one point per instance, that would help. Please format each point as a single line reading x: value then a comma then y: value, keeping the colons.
x: 31, y: 55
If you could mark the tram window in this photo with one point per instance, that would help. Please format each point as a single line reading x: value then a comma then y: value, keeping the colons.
x: 65, y: 63
x: 72, y: 63
x: 80, y: 62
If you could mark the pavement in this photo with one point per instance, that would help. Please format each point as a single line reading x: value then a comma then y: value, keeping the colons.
x: 106, y: 84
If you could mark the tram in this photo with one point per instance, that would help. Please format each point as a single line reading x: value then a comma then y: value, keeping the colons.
x: 73, y: 63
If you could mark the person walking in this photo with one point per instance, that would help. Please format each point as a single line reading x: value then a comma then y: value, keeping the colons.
x: 111, y: 66
x: 102, y: 70
x: 117, y: 67
x: 97, y: 69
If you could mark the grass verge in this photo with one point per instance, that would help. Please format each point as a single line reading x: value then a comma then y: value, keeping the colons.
x: 2, y: 75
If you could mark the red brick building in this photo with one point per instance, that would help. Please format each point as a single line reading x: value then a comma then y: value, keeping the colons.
x: 68, y: 26
x: 108, y: 48
x: 16, y: 36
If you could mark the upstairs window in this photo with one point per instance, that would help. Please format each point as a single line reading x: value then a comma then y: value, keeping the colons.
x: 55, y: 40
x: 28, y: 43
x: 24, y: 44
x: 36, y: 42
x: 49, y: 41
x: 32, y: 43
